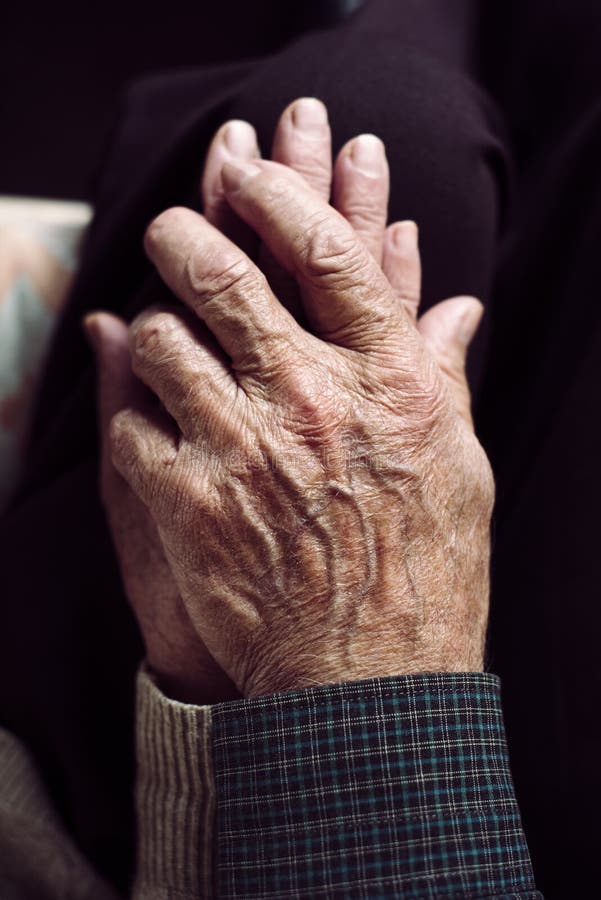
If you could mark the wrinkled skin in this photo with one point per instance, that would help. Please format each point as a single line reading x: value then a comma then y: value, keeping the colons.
x: 173, y: 650
x: 325, y: 507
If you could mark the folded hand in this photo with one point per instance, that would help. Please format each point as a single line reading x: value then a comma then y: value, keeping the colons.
x: 322, y: 500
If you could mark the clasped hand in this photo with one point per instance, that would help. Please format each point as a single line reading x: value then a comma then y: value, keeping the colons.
x: 319, y: 494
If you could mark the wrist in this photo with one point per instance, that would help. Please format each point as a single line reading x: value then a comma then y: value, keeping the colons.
x: 189, y: 684
x: 401, y: 661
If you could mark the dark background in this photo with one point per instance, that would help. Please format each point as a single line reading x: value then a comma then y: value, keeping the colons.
x: 63, y: 66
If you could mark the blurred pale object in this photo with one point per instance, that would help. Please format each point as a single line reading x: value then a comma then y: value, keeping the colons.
x: 39, y: 245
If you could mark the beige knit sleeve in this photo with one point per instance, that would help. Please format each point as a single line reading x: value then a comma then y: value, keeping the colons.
x: 175, y: 797
x: 38, y: 858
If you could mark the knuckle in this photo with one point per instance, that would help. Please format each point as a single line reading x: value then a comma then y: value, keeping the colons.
x: 311, y: 401
x: 334, y: 255
x: 276, y: 188
x: 151, y: 334
x: 299, y: 391
x: 217, y: 277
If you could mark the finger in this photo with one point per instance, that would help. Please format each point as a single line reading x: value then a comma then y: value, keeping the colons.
x: 118, y: 387
x: 236, y: 140
x: 223, y: 287
x: 346, y: 297
x: 303, y: 141
x: 402, y: 265
x: 360, y: 190
x: 180, y: 362
x: 141, y: 451
x: 448, y: 329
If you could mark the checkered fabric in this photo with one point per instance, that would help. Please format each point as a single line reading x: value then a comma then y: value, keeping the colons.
x: 391, y: 787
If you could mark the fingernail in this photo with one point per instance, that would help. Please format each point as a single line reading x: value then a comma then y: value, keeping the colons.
x: 367, y: 154
x: 404, y: 236
x: 233, y: 175
x: 469, y: 320
x: 240, y: 138
x: 309, y: 115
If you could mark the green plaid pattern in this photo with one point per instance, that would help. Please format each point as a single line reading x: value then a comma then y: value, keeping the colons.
x: 391, y: 787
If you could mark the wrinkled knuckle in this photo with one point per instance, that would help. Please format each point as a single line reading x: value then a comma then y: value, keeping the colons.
x: 334, y: 255
x: 300, y: 391
x: 235, y: 278
x: 150, y: 336
x: 277, y: 188
x: 239, y: 279
x: 314, y: 404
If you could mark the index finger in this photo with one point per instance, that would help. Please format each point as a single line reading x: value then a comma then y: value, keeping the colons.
x: 347, y: 298
x: 213, y: 277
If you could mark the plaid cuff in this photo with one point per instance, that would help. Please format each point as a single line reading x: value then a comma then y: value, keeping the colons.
x: 391, y: 787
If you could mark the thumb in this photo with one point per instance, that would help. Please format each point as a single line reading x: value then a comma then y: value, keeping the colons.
x: 448, y: 329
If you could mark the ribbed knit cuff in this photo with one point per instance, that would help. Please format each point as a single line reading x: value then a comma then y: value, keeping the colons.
x: 175, y: 797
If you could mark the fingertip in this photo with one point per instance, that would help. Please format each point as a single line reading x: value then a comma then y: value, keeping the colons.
x: 402, y: 264
x: 453, y: 322
x: 100, y: 327
x: 240, y: 139
x: 368, y: 154
x: 361, y: 187
x: 235, y: 140
x: 309, y: 115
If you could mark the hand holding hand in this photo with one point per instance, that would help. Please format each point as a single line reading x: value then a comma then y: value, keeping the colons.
x: 323, y: 502
x: 303, y: 142
x: 173, y: 649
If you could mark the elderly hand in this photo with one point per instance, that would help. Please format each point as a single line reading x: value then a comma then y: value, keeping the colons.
x: 321, y: 498
x: 173, y: 650
x: 360, y: 192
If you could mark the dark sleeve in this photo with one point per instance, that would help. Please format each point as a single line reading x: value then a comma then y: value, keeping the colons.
x: 391, y: 787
